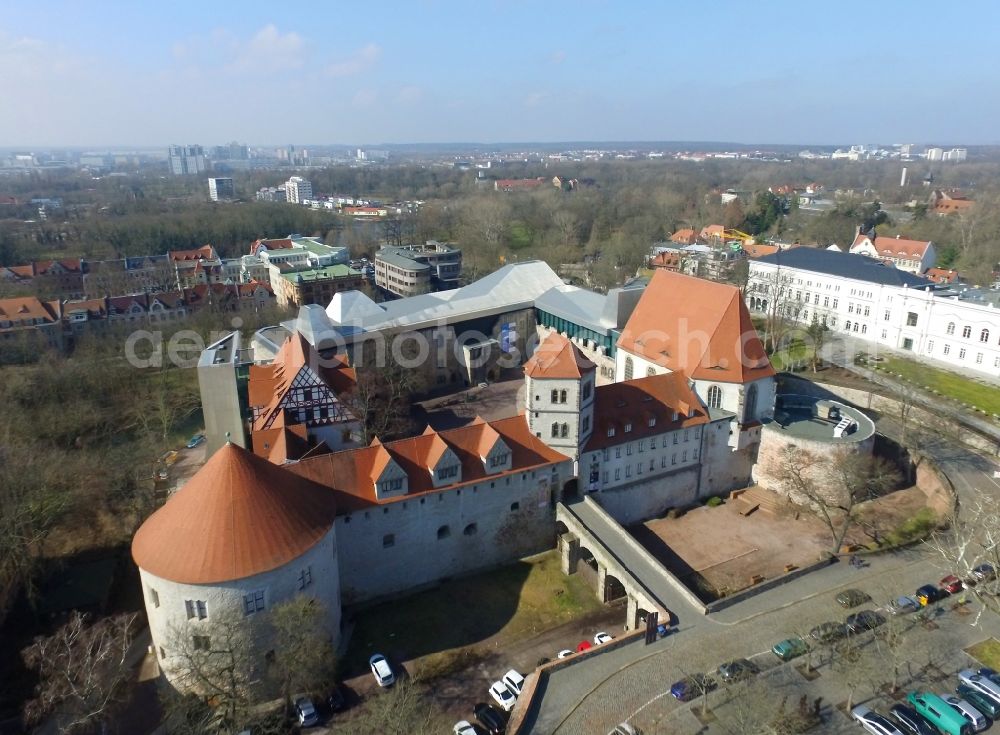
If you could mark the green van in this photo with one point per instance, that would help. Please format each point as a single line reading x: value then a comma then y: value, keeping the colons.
x: 939, y: 713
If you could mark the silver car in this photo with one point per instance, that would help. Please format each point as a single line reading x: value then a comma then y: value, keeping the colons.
x: 903, y: 605
x: 873, y: 722
x: 974, y: 716
x: 982, y: 684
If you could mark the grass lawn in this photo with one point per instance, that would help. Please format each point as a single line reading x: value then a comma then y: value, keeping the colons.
x: 795, y: 353
x: 987, y: 653
x: 948, y: 384
x: 503, y: 605
x: 521, y: 235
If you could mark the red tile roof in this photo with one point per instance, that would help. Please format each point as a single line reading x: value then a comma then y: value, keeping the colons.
x: 352, y: 473
x: 712, y: 231
x: 634, y: 403
x: 697, y: 327
x: 941, y: 275
x: 282, y: 244
x: 206, y: 252
x: 557, y: 357
x: 686, y: 236
x: 669, y: 261
x: 238, y: 516
x: 27, y: 308
x: 893, y: 247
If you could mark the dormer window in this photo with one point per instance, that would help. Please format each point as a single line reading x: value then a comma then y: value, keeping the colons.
x: 445, y: 473
x: 628, y: 427
x: 499, y: 460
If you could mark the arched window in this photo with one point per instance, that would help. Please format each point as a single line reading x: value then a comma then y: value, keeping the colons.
x: 750, y: 404
x: 966, y: 331
x: 847, y: 326
x: 629, y: 368
x: 470, y: 530
x: 715, y: 397
x: 443, y: 532
x: 650, y: 371
x: 951, y: 328
x: 984, y: 336
x: 864, y: 328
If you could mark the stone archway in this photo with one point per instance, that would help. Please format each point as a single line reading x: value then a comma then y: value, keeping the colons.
x: 613, y: 588
x: 570, y: 491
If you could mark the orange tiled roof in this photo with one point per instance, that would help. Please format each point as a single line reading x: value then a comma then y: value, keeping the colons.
x: 634, y: 403
x: 281, y: 244
x: 687, y: 236
x: 941, y: 275
x: 351, y: 474
x: 557, y: 357
x: 712, y: 231
x: 238, y: 516
x: 759, y: 249
x: 205, y: 251
x: 670, y: 261
x: 892, y: 247
x: 26, y: 308
x: 697, y: 327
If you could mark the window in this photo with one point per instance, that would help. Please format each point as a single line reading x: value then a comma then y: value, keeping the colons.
x: 446, y: 472
x: 444, y: 532
x: 867, y: 311
x: 911, y: 319
x: 864, y: 329
x: 979, y: 358
x: 564, y: 430
x: 951, y: 328
x: 586, y: 424
x: 715, y: 397
x: 201, y: 642
x: 253, y: 602
x: 628, y: 427
x: 388, y: 541
x: 885, y: 334
x: 618, y: 473
x: 498, y: 460
x: 555, y: 428
x: 638, y: 469
x: 850, y: 308
x: 984, y: 336
x: 515, y: 506
x: 930, y: 346
x: 555, y: 396
x: 154, y: 596
x: 673, y: 458
x: 586, y: 390
x: 675, y: 436
x: 652, y: 421
x: 629, y: 368
x: 947, y: 349
x: 826, y: 300
x: 684, y: 456
x: 966, y: 332
x: 907, y: 344
x: 847, y: 326
x: 305, y: 578
x: 652, y: 465
x: 196, y: 609
x: 885, y: 315
x: 471, y: 530
x: 562, y: 396
x: 628, y: 470
x: 961, y: 354
x: 628, y: 450
x: 641, y: 446
x: 836, y: 300
x: 618, y: 452
x: 750, y: 404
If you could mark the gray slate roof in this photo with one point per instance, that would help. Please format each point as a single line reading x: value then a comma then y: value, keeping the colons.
x: 844, y: 265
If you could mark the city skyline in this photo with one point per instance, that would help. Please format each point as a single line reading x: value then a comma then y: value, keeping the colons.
x: 439, y: 72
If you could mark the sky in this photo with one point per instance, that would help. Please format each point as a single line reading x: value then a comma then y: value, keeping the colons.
x: 141, y: 74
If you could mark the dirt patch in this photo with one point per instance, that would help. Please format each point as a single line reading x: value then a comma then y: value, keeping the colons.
x: 718, y: 551
x: 494, y: 401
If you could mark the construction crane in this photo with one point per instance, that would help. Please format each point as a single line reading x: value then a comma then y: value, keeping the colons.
x: 738, y: 235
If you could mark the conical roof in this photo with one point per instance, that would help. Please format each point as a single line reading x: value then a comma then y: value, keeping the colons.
x: 238, y: 516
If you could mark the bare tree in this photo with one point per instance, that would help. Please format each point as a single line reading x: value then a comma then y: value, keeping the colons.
x: 773, y: 289
x: 380, y: 401
x: 399, y: 711
x: 82, y: 671
x: 303, y: 652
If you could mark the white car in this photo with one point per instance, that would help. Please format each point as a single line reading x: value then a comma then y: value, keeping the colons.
x: 502, y: 696
x: 564, y: 653
x: 982, y: 684
x: 602, y: 637
x: 974, y: 716
x: 873, y: 722
x: 464, y: 727
x: 381, y: 670
x: 514, y: 682
x: 306, y: 712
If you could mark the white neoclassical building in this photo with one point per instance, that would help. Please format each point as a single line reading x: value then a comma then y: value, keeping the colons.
x: 864, y: 298
x: 241, y: 536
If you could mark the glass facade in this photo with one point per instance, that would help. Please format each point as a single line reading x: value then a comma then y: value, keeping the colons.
x: 606, y: 340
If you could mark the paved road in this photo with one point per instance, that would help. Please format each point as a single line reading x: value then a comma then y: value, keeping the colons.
x: 646, y: 571
x: 593, y: 696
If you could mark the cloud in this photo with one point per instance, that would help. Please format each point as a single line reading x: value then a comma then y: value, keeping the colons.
x: 410, y: 94
x: 360, y: 61
x: 364, y: 98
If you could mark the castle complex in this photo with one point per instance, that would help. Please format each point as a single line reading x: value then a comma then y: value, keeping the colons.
x: 667, y: 414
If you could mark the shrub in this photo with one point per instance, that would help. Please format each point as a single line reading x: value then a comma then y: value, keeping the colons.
x: 915, y: 527
x: 714, y: 501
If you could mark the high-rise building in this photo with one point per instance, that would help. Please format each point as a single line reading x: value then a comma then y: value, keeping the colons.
x: 297, y: 189
x: 934, y: 154
x: 186, y: 159
x: 221, y: 189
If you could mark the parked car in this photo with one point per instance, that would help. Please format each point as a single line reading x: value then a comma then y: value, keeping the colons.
x: 852, y: 598
x: 583, y: 646
x: 603, y: 637
x: 381, y: 670
x: 951, y: 584
x: 306, y: 713
x: 564, y: 653
x: 514, y: 682
x: 490, y: 718
x: 737, y: 670
x: 692, y: 686
x: 981, y: 701
x: 903, y: 605
x: 929, y: 594
x: 464, y: 727
x: 970, y: 713
x: 989, y: 674
x: 335, y: 700
x: 873, y: 722
x: 195, y: 441
x: 789, y: 648
x: 984, y: 573
x: 503, y: 696
x: 981, y: 683
x: 828, y: 632
x: 864, y: 620
x: 910, y: 721
x: 625, y: 729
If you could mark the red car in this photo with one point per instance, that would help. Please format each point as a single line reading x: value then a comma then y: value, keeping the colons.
x: 584, y: 646
x: 951, y: 583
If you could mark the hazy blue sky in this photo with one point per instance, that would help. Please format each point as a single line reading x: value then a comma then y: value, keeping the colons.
x: 149, y: 73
